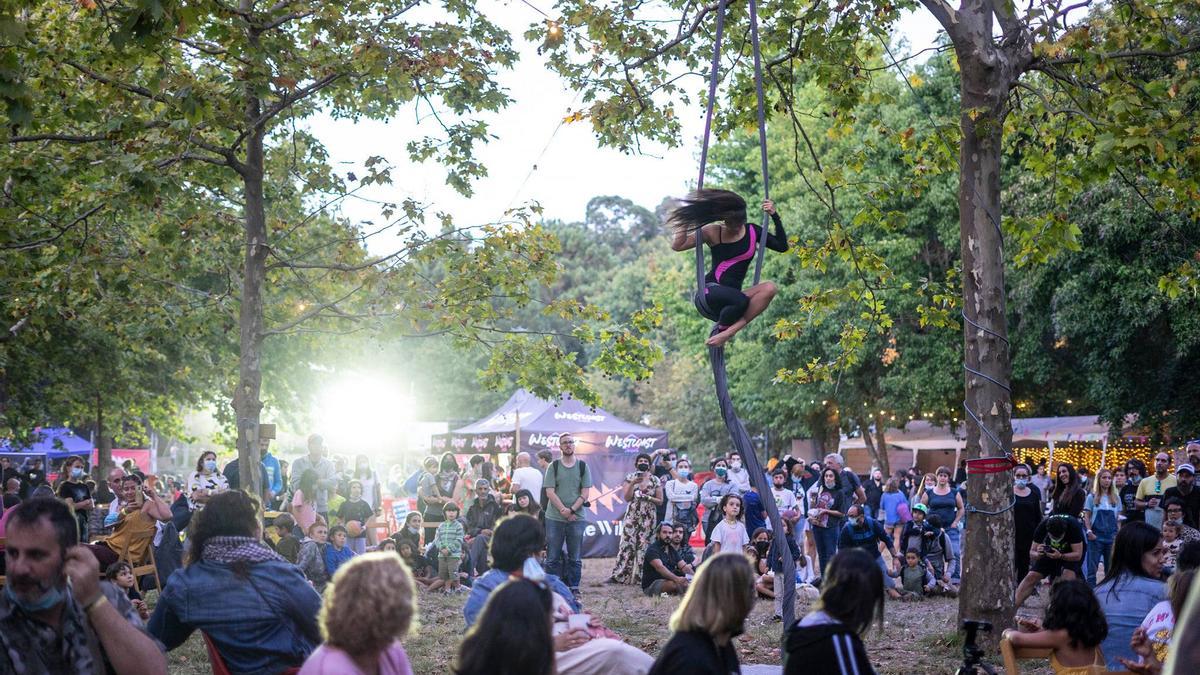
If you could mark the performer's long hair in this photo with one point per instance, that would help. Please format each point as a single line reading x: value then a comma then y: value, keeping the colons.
x: 702, y: 207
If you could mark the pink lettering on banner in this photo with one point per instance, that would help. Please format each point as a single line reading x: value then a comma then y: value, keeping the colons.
x: 479, y: 442
x: 439, y: 443
x: 504, y: 442
x: 458, y: 442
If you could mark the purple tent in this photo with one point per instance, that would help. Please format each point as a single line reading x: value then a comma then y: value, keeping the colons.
x: 55, y: 443
x: 607, y: 443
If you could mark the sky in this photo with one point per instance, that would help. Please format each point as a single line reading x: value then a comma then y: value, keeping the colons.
x: 533, y: 157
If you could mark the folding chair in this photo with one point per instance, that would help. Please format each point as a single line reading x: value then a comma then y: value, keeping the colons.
x: 218, y: 663
x: 143, y: 567
x: 1012, y: 655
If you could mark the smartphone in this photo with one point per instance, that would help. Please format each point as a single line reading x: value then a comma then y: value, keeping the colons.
x: 139, y: 497
x: 578, y: 621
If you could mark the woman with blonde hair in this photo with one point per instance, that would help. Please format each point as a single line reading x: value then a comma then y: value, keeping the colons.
x: 1100, y: 512
x: 368, y: 608
x: 712, y: 613
x: 927, y: 482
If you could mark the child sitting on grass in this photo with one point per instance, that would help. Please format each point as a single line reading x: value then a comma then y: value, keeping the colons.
x: 418, y: 564
x: 286, y: 545
x: 449, y: 542
x: 916, y: 580
x: 1073, y: 628
x: 337, y: 553
x: 120, y: 574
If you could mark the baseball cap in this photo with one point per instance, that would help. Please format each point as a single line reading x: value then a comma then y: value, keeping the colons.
x: 1185, y: 467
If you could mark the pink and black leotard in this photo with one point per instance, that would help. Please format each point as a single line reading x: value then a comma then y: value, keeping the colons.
x: 731, y: 261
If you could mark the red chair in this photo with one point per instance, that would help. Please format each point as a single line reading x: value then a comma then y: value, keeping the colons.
x: 218, y: 663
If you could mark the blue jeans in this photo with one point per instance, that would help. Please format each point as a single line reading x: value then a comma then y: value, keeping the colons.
x: 826, y: 539
x: 955, y: 536
x: 569, y: 569
x: 1098, y: 550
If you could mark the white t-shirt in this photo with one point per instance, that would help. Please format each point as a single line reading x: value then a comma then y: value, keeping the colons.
x: 530, y: 479
x: 1159, y: 625
x: 684, y: 494
x: 730, y: 537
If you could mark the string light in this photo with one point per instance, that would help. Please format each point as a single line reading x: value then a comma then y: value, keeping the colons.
x: 552, y: 28
x: 1089, y: 453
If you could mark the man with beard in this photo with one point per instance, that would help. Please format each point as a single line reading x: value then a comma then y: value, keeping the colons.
x: 56, y: 616
x: 481, y: 520
x: 567, y: 482
x: 660, y: 569
x: 683, y: 550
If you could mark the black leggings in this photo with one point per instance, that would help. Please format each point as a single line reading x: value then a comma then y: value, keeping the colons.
x: 728, y: 304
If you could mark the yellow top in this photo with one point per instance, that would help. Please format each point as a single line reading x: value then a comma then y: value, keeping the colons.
x: 134, y: 529
x: 1095, y: 668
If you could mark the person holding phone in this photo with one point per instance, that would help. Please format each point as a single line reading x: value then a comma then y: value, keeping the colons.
x: 643, y: 492
x: 1057, y: 551
x: 55, y: 612
x: 141, y: 511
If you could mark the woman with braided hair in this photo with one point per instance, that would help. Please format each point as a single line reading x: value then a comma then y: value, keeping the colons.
x: 719, y: 216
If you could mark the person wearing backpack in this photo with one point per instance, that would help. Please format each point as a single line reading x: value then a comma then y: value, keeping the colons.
x: 566, y: 481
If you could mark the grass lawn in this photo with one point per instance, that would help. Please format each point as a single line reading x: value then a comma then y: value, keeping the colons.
x: 917, y: 637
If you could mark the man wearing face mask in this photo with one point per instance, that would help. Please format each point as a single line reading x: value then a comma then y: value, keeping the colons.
x: 738, y: 476
x: 711, y: 493
x: 56, y: 616
x: 1185, y: 491
x: 862, y: 531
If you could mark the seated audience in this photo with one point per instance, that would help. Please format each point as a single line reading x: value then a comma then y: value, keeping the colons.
x: 288, y: 545
x: 829, y: 639
x: 525, y: 502
x: 56, y: 615
x: 916, y: 578
x: 422, y: 570
x: 516, y: 550
x: 660, y: 566
x: 712, y: 613
x: 120, y: 574
x: 411, y: 532
x: 683, y: 549
x: 1072, y: 629
x: 481, y: 520
x: 304, y: 500
x: 386, y: 546
x: 938, y: 552
x: 205, y: 482
x: 252, y: 604
x: 369, y: 607
x: 1131, y: 589
x: 337, y: 553
x: 1152, y: 640
x: 1057, y: 551
x: 513, y: 634
x: 137, y: 521
x: 311, y: 559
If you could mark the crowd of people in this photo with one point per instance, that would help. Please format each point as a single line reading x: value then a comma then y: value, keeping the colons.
x: 299, y: 587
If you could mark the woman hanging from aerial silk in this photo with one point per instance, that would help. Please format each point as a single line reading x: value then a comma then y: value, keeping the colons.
x: 720, y: 217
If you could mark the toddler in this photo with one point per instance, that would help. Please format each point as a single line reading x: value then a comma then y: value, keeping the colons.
x: 120, y: 574
x: 449, y: 541
x: 1171, y: 532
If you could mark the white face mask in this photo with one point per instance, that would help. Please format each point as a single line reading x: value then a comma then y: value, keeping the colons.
x: 532, y: 570
x: 735, y: 464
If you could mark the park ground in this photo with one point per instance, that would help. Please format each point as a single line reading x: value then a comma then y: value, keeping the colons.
x: 916, y: 637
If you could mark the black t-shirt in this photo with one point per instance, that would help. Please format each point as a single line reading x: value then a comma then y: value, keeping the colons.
x: 695, y: 653
x: 1191, y: 504
x: 850, y: 485
x: 358, y: 510
x: 1074, y: 534
x: 1128, y: 495
x: 11, y: 501
x: 1027, y: 513
x: 78, y: 492
x: 663, y: 553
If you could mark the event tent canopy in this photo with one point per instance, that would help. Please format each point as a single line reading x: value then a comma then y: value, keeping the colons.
x: 55, y: 443
x: 922, y: 435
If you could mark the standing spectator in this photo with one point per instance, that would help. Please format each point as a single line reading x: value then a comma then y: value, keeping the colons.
x: 1027, y: 513
x: 567, y: 481
x: 526, y: 477
x: 449, y: 543
x: 1057, y: 550
x: 76, y: 493
x: 712, y: 613
x: 873, y: 489
x: 945, y: 502
x: 1185, y: 490
x: 273, y: 478
x: 711, y: 493
x: 427, y: 484
x: 784, y: 498
x: 738, y: 476
x: 864, y: 532
x: 304, y: 500
x: 326, y: 475
x: 12, y: 492
x: 355, y: 513
x: 827, y: 513
x: 337, y: 553
x: 481, y: 521
x: 828, y: 639
x: 372, y: 487
x: 56, y: 616
x: 642, y: 494
x: 1100, y: 523
x: 664, y: 470
x: 205, y: 482
x: 512, y: 635
x: 33, y: 476
x: 439, y: 492
x: 730, y: 534
x: 1042, y: 481
x: 851, y: 485
x: 1150, y: 490
x: 1072, y: 629
x: 1069, y: 494
x: 362, y: 627
x: 8, y: 472
x: 660, y: 566
x: 252, y: 604
x: 895, y: 509
x: 1132, y: 589
x: 682, y: 494
x: 753, y: 511
x: 311, y: 559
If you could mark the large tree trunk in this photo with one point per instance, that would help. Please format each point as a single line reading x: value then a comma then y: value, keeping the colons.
x: 987, y: 576
x: 104, y: 441
x: 826, y: 428
x: 881, y: 447
x: 247, y: 403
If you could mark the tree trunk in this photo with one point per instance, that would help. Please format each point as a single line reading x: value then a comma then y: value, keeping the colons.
x: 881, y: 445
x: 987, y: 570
x: 246, y: 398
x: 104, y: 442
x: 826, y: 428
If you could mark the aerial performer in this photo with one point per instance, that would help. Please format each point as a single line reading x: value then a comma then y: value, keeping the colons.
x: 720, y: 217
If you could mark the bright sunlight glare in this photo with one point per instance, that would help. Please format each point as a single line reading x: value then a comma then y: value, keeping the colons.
x: 364, y: 414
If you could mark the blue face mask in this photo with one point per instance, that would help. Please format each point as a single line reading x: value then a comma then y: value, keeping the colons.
x: 49, y: 599
x: 76, y: 472
x: 210, y: 465
x: 532, y: 570
x: 1021, y: 482
x: 684, y: 473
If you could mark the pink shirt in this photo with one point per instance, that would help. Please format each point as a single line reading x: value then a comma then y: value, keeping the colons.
x: 328, y: 660
x: 304, y: 512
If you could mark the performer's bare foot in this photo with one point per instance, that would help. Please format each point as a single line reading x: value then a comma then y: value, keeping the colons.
x: 721, y: 338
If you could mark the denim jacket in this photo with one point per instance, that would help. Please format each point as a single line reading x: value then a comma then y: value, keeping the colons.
x: 261, y: 625
x: 490, y: 580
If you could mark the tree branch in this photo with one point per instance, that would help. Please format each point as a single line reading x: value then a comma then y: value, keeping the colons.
x: 62, y: 230
x: 124, y: 86
x: 679, y: 38
x: 12, y: 331
x: 946, y: 15
x: 1040, y: 64
x: 66, y: 138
